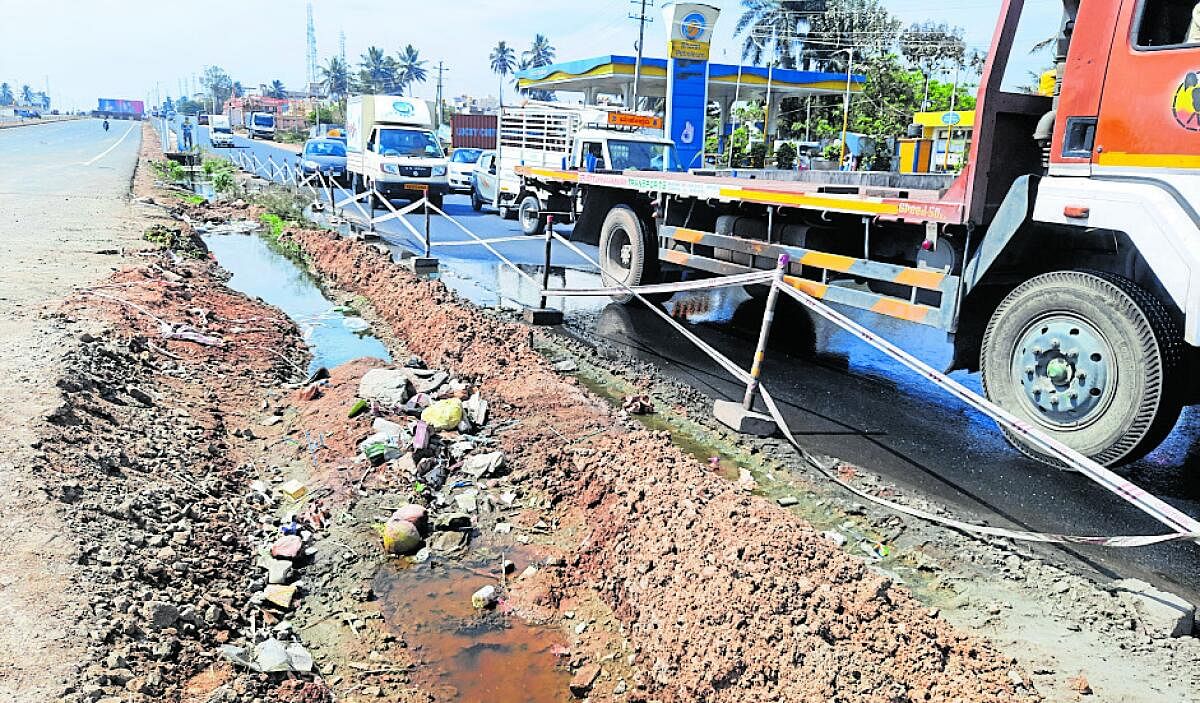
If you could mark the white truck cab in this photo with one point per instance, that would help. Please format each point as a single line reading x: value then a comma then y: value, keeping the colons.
x: 391, y: 147
x: 550, y: 135
x: 220, y: 133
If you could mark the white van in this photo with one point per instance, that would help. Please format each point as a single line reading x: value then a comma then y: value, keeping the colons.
x: 391, y: 147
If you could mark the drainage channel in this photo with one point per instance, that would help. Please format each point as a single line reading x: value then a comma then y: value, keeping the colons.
x: 471, y: 656
x: 334, y: 334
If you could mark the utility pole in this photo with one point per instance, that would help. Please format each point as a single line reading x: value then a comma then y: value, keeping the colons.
x: 441, y: 68
x: 642, y: 19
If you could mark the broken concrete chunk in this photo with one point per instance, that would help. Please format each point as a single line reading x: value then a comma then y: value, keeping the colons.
x: 565, y: 366
x: 387, y: 386
x: 581, y: 682
x: 1162, y: 614
x: 467, y: 501
x: 271, y: 655
x: 160, y: 615
x: 449, y: 542
x: 483, y: 465
x: 388, y: 428
x: 278, y: 570
x: 484, y: 597
x: 452, y: 521
x: 278, y: 594
x: 299, y: 657
x: 476, y: 408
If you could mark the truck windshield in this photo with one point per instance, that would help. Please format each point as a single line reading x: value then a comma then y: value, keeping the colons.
x: 466, y: 156
x: 264, y: 121
x: 408, y: 142
x: 325, y: 149
x: 222, y: 129
x: 641, y: 156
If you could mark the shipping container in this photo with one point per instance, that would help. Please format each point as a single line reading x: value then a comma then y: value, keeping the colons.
x: 474, y: 131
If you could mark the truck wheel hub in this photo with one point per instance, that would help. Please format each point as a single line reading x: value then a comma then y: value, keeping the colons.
x: 1063, y: 366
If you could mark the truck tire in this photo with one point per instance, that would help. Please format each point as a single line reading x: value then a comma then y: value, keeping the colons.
x: 476, y: 201
x: 529, y: 213
x: 628, y: 252
x: 505, y: 212
x: 1091, y: 358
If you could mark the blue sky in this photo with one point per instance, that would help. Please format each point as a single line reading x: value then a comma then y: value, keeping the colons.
x: 89, y: 49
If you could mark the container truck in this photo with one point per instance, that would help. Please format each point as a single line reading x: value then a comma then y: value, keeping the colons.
x: 259, y: 125
x: 120, y: 109
x: 1063, y: 261
x: 220, y: 133
x: 391, y: 147
x: 562, y: 137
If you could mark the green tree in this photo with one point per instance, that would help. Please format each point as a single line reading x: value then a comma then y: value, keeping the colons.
x: 335, y: 78
x: 217, y: 85
x: 502, y: 61
x: 26, y: 95
x: 863, y: 27
x: 775, y: 29
x: 540, y: 53
x: 785, y: 156
x: 277, y: 90
x: 410, y: 68
x: 6, y: 94
x: 238, y: 90
x: 377, y: 72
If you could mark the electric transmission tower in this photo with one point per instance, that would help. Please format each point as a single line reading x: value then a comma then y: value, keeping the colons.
x: 312, y: 50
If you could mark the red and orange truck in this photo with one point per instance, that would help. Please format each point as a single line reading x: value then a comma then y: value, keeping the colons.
x: 1063, y: 261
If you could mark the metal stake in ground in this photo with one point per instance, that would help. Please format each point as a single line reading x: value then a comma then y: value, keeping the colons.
x: 542, y: 315
x: 743, y: 418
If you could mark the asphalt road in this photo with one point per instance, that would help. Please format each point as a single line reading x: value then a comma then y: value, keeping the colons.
x: 845, y: 399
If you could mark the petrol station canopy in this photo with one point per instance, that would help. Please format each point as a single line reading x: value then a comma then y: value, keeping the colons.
x: 614, y: 75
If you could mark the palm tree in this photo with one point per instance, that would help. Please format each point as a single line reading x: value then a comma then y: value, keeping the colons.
x: 503, y: 60
x: 6, y: 94
x: 26, y: 95
x: 277, y: 90
x: 335, y: 78
x: 410, y: 68
x: 780, y: 25
x: 541, y: 53
x: 378, y: 71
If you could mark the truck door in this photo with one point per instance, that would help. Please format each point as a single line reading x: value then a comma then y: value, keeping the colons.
x: 1149, y: 118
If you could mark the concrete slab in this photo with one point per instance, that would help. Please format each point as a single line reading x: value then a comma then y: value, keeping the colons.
x: 1162, y: 614
x: 542, y: 317
x: 420, y: 264
x: 741, y: 420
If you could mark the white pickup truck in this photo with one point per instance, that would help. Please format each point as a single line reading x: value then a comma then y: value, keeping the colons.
x: 220, y: 133
x: 546, y: 135
x: 391, y: 147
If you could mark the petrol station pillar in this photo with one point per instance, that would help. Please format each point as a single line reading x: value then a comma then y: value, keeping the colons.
x: 690, y: 32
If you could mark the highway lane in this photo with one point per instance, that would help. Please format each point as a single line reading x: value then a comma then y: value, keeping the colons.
x: 845, y: 399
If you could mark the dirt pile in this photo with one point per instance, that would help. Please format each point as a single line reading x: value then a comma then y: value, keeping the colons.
x: 143, y: 457
x: 723, y: 596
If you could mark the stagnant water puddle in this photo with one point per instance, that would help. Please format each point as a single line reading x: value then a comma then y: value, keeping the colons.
x: 334, y: 335
x: 471, y: 656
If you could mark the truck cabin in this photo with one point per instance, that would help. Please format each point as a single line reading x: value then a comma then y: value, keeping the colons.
x: 612, y: 150
x: 409, y: 142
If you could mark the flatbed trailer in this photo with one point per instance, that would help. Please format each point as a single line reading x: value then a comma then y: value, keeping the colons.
x: 1063, y: 261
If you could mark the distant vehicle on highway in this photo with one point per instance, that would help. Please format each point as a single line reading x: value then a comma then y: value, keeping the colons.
x: 28, y: 114
x: 462, y: 165
x: 260, y: 124
x: 327, y: 155
x: 220, y: 132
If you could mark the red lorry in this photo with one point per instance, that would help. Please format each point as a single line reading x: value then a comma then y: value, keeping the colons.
x: 1063, y: 261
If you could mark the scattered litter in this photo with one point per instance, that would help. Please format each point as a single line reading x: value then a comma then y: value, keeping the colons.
x: 355, y: 324
x: 476, y: 409
x: 444, y: 414
x: 836, y: 537
x: 483, y: 465
x: 187, y: 333
x: 400, y: 537
x: 565, y: 366
x: 358, y: 408
x: 788, y: 501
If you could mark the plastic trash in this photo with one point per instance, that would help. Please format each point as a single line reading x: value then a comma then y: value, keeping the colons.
x: 444, y: 414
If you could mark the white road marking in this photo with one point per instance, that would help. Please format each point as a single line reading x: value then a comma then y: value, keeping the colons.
x: 116, y: 144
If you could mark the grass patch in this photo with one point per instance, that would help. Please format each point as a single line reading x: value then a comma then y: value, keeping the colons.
x: 169, y: 171
x: 276, y: 239
x: 188, y: 245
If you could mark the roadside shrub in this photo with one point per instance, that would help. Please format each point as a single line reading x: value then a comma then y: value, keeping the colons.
x: 785, y: 156
x: 189, y: 245
x: 276, y: 239
x: 169, y: 171
x: 286, y: 205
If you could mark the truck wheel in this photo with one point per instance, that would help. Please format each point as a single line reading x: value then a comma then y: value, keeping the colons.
x: 1090, y: 358
x: 628, y: 253
x: 505, y: 212
x: 476, y: 201
x: 530, y: 215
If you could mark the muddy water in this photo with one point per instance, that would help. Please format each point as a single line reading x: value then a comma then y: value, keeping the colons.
x: 333, y: 337
x: 470, y: 657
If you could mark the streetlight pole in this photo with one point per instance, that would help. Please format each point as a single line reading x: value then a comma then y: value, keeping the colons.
x: 637, y: 70
x: 846, y: 102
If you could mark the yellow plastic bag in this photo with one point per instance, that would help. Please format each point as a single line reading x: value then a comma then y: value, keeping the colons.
x: 444, y: 414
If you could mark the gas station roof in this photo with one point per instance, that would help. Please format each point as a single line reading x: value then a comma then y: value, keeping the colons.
x: 612, y: 75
